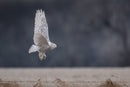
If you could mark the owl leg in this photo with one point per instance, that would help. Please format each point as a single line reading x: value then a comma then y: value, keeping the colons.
x: 42, y: 56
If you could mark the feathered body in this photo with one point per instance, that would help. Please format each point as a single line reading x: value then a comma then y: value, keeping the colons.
x: 41, y: 39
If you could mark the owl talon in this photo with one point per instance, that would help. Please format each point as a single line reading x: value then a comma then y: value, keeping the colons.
x: 42, y: 56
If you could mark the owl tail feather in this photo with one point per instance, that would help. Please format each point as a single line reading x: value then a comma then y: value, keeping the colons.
x: 33, y: 48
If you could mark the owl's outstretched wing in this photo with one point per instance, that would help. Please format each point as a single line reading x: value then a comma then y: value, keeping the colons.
x: 41, y: 25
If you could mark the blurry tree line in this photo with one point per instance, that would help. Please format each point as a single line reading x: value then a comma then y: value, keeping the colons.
x: 87, y: 33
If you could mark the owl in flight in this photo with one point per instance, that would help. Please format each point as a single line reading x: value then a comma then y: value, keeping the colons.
x: 41, y: 36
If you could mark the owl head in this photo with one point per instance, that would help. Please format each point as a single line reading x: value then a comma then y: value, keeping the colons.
x: 53, y: 46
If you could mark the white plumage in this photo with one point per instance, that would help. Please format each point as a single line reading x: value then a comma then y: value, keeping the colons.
x: 41, y: 39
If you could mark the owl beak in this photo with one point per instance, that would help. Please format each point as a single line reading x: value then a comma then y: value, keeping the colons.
x: 55, y: 45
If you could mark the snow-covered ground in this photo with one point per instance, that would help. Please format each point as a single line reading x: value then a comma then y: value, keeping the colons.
x: 65, y: 77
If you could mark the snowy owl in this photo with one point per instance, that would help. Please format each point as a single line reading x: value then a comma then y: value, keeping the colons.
x: 41, y: 37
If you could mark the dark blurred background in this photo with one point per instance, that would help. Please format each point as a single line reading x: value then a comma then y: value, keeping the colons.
x: 87, y: 33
